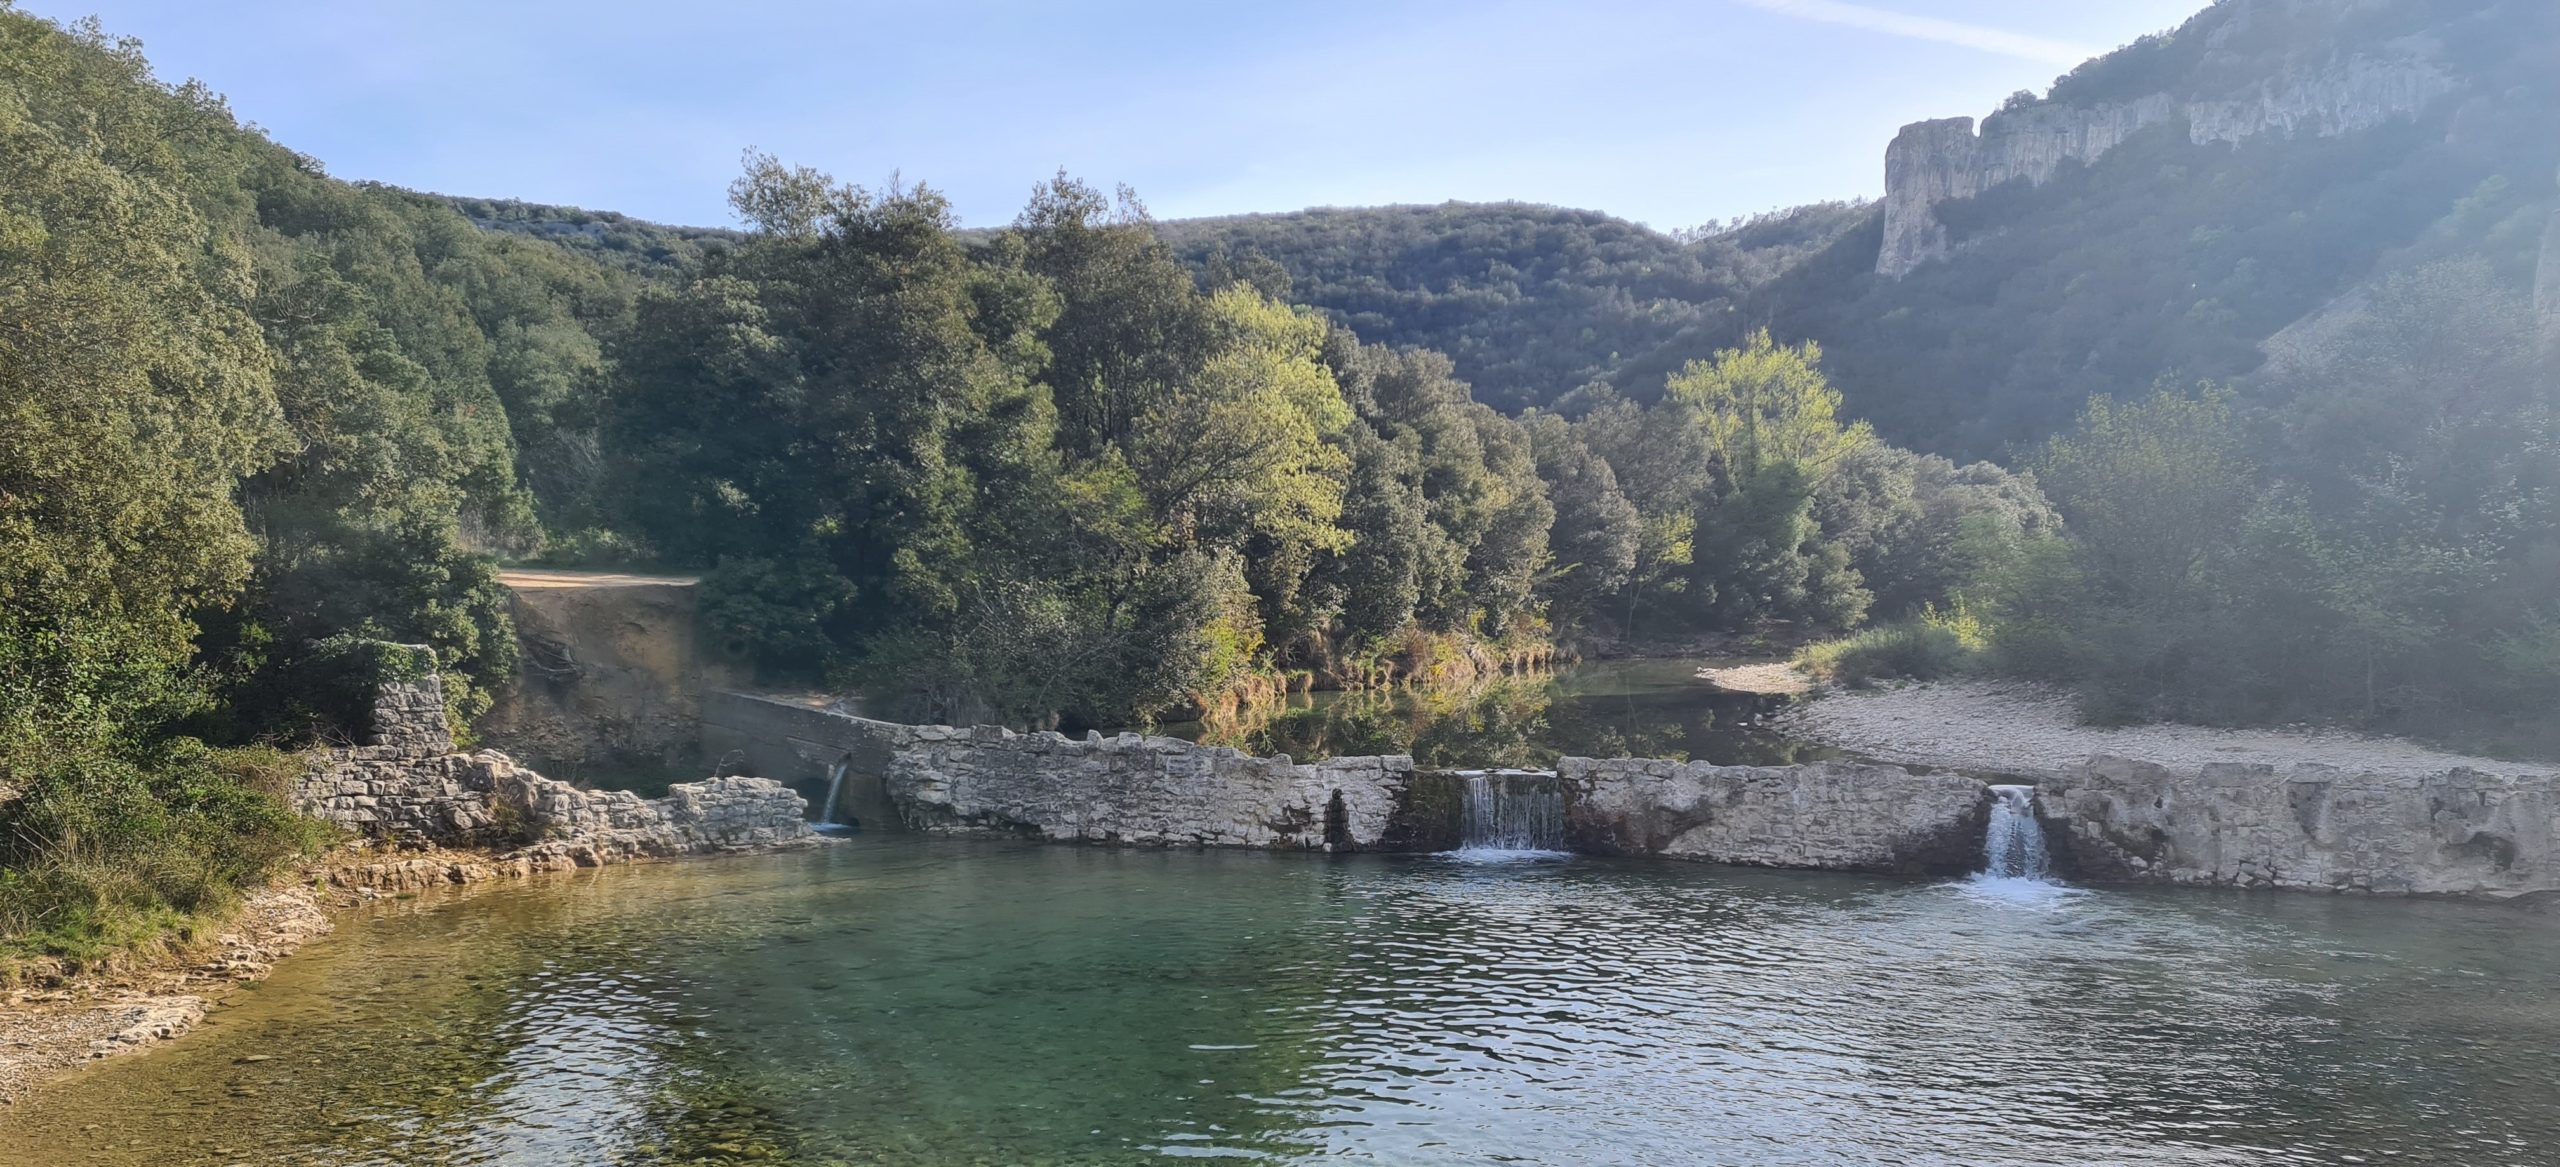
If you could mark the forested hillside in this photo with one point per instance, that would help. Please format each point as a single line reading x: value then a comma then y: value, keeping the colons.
x: 2178, y: 253
x: 1529, y: 302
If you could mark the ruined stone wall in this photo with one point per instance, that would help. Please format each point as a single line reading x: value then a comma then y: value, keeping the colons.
x: 2311, y: 828
x: 1830, y: 816
x: 1936, y: 161
x: 1140, y: 791
x: 408, y: 787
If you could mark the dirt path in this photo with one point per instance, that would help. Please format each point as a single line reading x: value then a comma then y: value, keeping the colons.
x: 1985, y: 726
x: 540, y: 579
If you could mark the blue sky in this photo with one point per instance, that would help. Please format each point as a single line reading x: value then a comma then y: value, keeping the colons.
x: 1673, y: 113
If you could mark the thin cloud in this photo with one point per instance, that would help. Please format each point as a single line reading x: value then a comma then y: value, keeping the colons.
x: 1929, y: 28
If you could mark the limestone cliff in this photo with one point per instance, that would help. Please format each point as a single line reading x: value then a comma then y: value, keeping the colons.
x: 1933, y: 162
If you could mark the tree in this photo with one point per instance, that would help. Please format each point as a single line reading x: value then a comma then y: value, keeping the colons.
x: 1762, y: 404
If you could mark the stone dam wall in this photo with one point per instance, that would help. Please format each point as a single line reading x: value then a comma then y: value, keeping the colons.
x: 1142, y: 791
x: 409, y: 787
x: 1830, y: 816
x: 2106, y: 821
x: 2310, y: 828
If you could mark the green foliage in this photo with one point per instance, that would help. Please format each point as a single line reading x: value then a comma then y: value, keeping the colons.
x: 250, y: 411
x: 1761, y: 405
x: 1928, y: 647
x: 1527, y: 301
x: 102, y: 853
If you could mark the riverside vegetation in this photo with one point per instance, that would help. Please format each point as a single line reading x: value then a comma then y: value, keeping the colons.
x: 1089, y: 469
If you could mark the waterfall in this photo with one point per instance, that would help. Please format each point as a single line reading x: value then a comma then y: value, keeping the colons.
x: 835, y: 786
x: 2013, y: 845
x: 1513, y: 812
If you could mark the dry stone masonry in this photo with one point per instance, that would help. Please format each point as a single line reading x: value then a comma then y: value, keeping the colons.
x: 1832, y: 816
x: 2310, y: 828
x: 1140, y: 791
x: 408, y: 787
x: 2108, y: 820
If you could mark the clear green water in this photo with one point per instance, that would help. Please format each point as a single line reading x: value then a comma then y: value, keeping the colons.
x: 1614, y: 709
x: 922, y: 1002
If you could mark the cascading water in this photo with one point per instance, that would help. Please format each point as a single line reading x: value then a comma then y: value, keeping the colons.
x: 2013, y: 845
x: 835, y: 787
x: 1519, y: 813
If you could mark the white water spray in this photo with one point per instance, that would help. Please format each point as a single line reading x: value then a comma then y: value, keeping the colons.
x: 1513, y: 812
x: 2013, y: 845
x: 835, y: 786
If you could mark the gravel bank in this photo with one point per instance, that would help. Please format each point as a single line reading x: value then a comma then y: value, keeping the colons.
x: 2007, y: 727
x: 45, y: 1032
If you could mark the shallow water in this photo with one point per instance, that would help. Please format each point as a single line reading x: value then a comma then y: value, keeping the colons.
x: 927, y: 1002
x: 1611, y: 709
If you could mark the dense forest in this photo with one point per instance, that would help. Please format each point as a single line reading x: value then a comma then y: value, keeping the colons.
x: 2279, y: 425
x: 1528, y: 302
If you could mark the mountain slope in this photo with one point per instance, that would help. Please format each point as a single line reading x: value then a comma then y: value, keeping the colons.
x: 2172, y: 207
x: 1529, y: 301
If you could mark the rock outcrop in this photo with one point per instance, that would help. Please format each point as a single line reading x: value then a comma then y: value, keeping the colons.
x: 1139, y: 791
x: 409, y: 788
x: 1934, y: 162
x: 1830, y: 816
x: 2311, y: 828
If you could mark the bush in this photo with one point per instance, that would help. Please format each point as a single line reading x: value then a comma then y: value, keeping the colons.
x: 101, y: 854
x: 1936, y: 644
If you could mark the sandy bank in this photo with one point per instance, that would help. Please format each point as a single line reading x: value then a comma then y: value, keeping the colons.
x: 2014, y: 728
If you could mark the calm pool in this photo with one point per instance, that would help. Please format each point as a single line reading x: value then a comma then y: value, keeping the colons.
x: 919, y: 1002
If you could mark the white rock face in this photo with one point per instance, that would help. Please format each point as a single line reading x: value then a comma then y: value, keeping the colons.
x: 1936, y: 161
x: 2461, y: 832
x: 1831, y: 816
x: 1139, y: 791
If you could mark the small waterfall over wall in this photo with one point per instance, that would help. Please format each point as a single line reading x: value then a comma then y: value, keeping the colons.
x: 1512, y: 811
x: 835, y: 790
x: 2013, y: 845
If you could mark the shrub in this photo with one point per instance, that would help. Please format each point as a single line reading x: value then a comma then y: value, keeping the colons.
x: 102, y: 854
x: 1933, y: 645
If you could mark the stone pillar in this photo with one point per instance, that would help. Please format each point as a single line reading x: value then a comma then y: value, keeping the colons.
x: 408, y: 705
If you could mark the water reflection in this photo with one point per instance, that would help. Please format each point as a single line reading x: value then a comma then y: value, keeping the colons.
x: 913, y: 1002
x: 1649, y: 709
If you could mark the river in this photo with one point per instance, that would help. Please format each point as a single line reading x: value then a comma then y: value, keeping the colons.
x: 909, y: 1001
